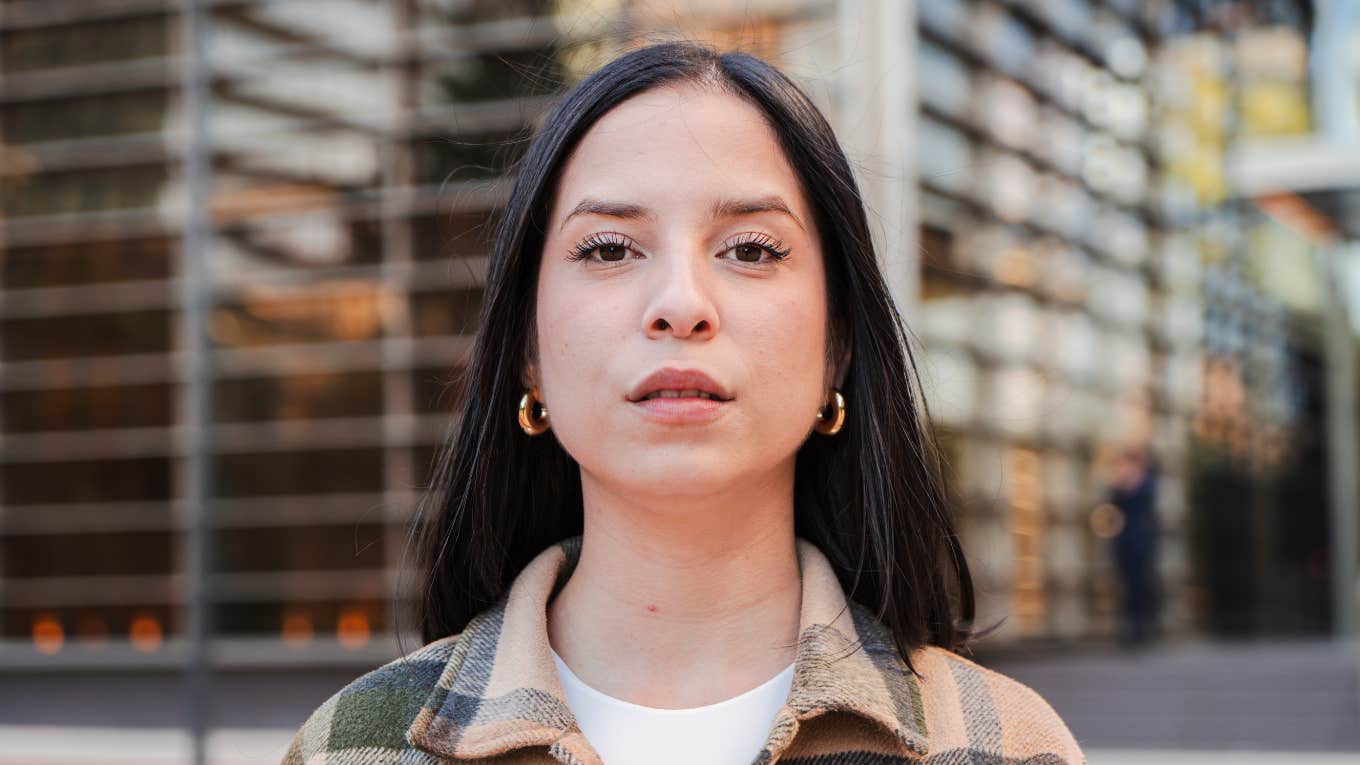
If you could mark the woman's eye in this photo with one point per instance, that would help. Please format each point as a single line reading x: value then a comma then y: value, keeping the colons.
x: 753, y: 253
x: 749, y: 253
x: 610, y: 253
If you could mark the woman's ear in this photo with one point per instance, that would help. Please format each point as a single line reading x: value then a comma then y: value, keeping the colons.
x: 529, y: 358
x: 530, y: 373
x: 843, y: 368
x: 840, y: 341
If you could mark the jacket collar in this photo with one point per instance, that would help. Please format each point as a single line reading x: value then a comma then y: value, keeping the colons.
x: 500, y: 691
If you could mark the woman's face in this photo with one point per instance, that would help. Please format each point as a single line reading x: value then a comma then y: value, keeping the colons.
x: 661, y: 251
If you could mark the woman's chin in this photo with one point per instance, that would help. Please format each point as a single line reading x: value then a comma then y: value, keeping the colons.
x: 677, y: 479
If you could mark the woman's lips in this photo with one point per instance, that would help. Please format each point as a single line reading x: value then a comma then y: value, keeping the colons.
x: 677, y: 410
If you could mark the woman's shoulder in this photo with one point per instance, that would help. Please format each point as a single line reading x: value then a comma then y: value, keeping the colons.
x: 367, y: 719
x: 970, y: 706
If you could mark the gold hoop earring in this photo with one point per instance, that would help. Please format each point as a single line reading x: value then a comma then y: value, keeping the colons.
x: 831, y: 425
x: 528, y: 422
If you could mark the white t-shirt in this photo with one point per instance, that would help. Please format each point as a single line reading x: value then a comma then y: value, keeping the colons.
x: 729, y: 732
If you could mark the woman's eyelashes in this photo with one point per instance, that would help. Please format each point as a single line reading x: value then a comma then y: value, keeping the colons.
x: 752, y: 248
x: 613, y: 248
x: 754, y: 244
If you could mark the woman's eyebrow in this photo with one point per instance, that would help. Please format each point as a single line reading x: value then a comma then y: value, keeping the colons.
x: 723, y: 208
x: 730, y: 208
x: 589, y: 206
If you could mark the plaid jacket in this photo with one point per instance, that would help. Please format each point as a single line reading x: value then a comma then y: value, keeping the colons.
x: 491, y: 694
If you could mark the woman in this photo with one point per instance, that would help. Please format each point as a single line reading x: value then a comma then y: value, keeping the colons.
x: 637, y: 548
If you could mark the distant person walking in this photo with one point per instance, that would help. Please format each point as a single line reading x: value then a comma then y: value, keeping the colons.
x: 1133, y: 491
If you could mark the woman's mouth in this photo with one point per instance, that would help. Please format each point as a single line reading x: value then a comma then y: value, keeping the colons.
x: 680, y: 407
x: 693, y: 393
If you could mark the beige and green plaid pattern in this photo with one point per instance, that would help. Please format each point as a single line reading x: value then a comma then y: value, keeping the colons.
x: 492, y: 693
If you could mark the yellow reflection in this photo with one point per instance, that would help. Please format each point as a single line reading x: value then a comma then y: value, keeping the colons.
x: 1016, y: 266
x: 237, y: 205
x: 342, y: 310
x: 1029, y: 599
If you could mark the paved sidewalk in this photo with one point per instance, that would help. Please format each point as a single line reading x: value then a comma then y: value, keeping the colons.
x: 1189, y: 757
x: 1193, y: 703
x: 38, y: 745
x: 1297, y: 697
x: 52, y: 745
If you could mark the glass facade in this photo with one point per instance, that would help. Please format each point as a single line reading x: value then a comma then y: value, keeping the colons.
x: 1040, y: 236
x: 1085, y: 282
x: 357, y: 151
x: 1091, y: 281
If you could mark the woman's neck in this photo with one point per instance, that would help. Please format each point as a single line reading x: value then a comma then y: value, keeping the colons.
x: 674, y: 606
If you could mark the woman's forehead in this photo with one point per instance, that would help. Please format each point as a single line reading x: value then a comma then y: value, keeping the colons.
x: 686, y: 146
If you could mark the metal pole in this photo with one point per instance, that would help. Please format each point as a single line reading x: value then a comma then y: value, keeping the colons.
x: 1342, y: 447
x: 196, y: 412
x: 877, y: 124
x: 399, y: 407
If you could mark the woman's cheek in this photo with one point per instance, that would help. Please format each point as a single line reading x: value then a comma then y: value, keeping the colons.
x: 786, y: 370
x: 580, y: 344
x: 811, y: 372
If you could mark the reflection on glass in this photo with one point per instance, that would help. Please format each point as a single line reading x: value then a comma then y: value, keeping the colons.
x: 313, y: 548
x: 455, y: 235
x: 86, y: 554
x: 468, y: 157
x: 314, y: 471
x: 446, y: 313
x: 92, y: 630
x: 435, y: 390
x: 301, y: 622
x: 296, y: 397
x: 77, y: 44
x: 474, y: 11
x: 87, y: 262
x: 347, y: 311
x: 86, y: 190
x: 104, y: 334
x: 87, y: 408
x: 84, y: 116
x: 500, y: 75
x: 111, y: 480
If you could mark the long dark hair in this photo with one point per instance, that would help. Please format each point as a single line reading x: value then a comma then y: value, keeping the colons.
x: 872, y: 498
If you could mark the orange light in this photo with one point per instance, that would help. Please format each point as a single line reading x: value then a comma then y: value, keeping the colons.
x: 146, y: 633
x: 352, y: 629
x: 48, y: 636
x: 296, y: 629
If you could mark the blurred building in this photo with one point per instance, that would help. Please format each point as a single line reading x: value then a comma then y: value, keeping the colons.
x: 1092, y: 279
x: 241, y: 243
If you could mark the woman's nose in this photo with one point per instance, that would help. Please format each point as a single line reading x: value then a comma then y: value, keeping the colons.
x: 681, y: 301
